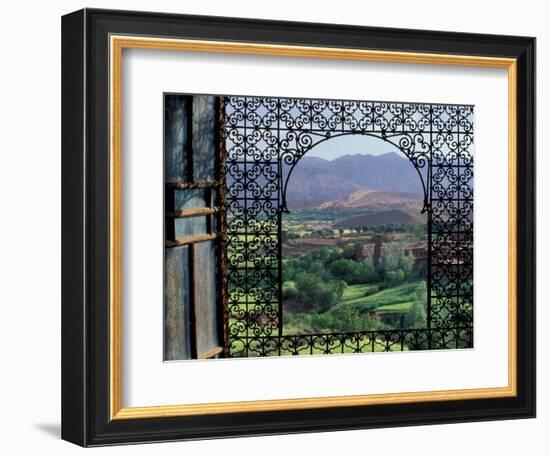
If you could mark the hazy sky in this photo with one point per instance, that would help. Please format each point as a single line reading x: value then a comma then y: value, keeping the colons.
x: 349, y: 145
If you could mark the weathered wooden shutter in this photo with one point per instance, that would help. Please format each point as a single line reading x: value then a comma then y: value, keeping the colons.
x: 193, y: 231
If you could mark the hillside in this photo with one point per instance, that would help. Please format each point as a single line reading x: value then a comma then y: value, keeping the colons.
x: 375, y: 200
x: 315, y: 180
x: 379, y: 218
x: 318, y: 188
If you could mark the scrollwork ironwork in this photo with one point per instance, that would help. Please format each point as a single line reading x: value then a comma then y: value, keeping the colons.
x: 266, y: 138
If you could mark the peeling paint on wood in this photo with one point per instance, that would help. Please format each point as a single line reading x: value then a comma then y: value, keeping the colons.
x: 192, y: 308
x: 177, y: 343
x: 204, y: 138
x: 176, y: 136
x: 206, y: 307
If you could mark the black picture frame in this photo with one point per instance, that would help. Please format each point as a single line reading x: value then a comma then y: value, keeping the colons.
x: 85, y: 224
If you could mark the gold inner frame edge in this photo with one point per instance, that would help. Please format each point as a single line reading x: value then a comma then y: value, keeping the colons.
x: 116, y: 46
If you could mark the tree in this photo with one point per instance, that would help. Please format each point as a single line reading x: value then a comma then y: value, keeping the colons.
x: 315, y: 294
x: 368, y: 272
x: 378, y: 245
x: 420, y: 230
x: 346, y: 270
x: 346, y: 318
x: 290, y: 292
x: 284, y: 235
x: 348, y: 251
x: 416, y: 316
x: 406, y: 263
x: 395, y: 277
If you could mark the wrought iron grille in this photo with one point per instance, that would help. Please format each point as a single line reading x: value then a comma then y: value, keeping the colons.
x: 265, y: 138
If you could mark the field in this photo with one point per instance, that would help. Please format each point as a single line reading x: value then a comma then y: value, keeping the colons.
x: 396, y: 299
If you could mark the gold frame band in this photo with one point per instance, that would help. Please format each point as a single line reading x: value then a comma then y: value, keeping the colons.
x: 117, y: 44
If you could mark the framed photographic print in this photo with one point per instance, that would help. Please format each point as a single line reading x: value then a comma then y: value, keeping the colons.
x: 276, y: 227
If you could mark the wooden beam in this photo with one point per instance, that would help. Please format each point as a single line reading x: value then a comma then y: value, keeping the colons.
x: 192, y: 239
x: 192, y: 185
x: 211, y: 353
x: 192, y: 212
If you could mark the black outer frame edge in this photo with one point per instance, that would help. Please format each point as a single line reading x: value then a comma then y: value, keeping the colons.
x: 526, y: 213
x: 92, y: 392
x: 73, y: 323
x: 325, y: 34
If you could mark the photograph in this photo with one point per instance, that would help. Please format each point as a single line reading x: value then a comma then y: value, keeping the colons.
x: 298, y: 226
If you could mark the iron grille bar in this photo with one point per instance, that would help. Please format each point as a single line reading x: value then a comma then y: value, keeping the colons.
x: 267, y: 137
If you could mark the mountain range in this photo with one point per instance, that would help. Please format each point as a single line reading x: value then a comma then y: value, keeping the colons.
x: 316, y: 181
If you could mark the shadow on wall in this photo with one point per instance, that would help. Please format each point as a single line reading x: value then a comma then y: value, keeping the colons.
x: 51, y: 429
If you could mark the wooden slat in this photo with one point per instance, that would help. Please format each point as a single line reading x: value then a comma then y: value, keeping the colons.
x: 192, y: 212
x: 192, y: 239
x: 177, y: 310
x: 211, y: 353
x: 206, y: 296
x: 193, y: 302
x: 192, y: 185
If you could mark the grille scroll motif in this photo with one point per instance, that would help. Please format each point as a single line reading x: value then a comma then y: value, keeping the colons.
x: 266, y: 137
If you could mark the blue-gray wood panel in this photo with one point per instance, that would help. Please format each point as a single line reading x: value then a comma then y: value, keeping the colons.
x: 192, y: 323
x: 205, y: 151
x: 177, y: 311
x: 205, y: 148
x: 176, y: 137
x: 206, y: 297
x: 186, y: 199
